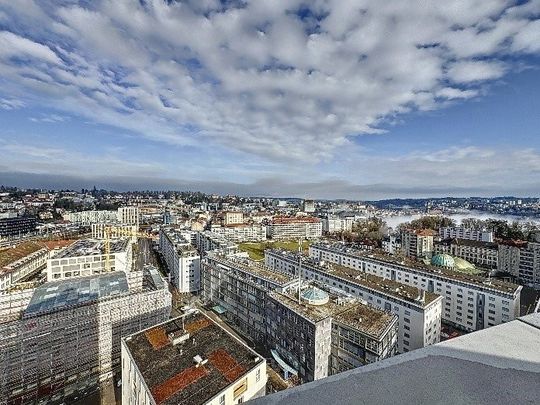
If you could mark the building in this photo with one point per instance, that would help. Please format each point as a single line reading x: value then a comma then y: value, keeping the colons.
x: 91, y: 217
x: 521, y: 260
x: 115, y: 230
x: 182, y: 260
x: 20, y: 262
x: 208, y: 241
x: 239, y: 288
x: 190, y: 360
x: 128, y: 215
x: 86, y: 257
x: 17, y: 226
x: 419, y: 312
x: 241, y: 232
x: 332, y: 224
x: 392, y: 244
x: 233, y: 218
x: 321, y: 333
x: 482, y: 254
x: 508, y: 257
x: 468, y: 370
x: 308, y: 206
x: 58, y: 341
x: 465, y: 233
x: 470, y: 302
x: 286, y: 228
x: 417, y: 243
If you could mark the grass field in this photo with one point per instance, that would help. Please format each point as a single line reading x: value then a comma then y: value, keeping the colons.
x: 256, y: 249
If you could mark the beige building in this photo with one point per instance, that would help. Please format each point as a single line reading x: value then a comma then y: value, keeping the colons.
x: 287, y: 228
x: 190, y: 360
x: 417, y: 243
x: 233, y: 218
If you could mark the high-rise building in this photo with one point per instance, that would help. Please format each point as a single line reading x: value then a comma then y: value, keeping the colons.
x: 465, y: 233
x: 283, y: 228
x: 417, y: 243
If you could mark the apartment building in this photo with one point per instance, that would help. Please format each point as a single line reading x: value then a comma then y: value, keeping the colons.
x: 128, y: 215
x: 482, y: 254
x: 91, y: 217
x: 21, y: 261
x: 17, y: 226
x: 336, y: 224
x: 233, y: 218
x: 392, y: 245
x: 86, y: 257
x: 308, y: 206
x: 419, y: 312
x: 207, y: 241
x: 470, y: 302
x: 286, y: 228
x: 239, y: 288
x: 59, y: 340
x: 241, y: 232
x: 417, y: 243
x: 116, y: 230
x: 190, y: 360
x: 465, y: 233
x: 182, y: 260
x: 529, y: 265
x: 321, y: 333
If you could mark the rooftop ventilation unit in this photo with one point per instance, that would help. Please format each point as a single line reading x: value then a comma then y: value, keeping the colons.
x: 198, y: 360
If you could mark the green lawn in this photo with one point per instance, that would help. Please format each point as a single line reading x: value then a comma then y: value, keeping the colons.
x: 256, y: 249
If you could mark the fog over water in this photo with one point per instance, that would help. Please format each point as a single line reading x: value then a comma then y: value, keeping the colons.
x: 393, y: 222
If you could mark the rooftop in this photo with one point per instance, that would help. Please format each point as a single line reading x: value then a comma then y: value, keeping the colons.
x: 422, y: 267
x: 87, y: 247
x: 294, y: 220
x: 169, y: 370
x: 469, y: 242
x: 386, y: 286
x: 499, y: 365
x: 349, y: 312
x: 12, y: 254
x: 56, y: 295
x: 254, y: 268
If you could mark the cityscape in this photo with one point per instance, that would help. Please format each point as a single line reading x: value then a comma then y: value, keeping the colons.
x: 213, y: 202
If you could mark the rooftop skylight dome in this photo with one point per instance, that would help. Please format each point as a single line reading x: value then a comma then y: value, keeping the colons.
x: 315, y: 296
x: 443, y: 260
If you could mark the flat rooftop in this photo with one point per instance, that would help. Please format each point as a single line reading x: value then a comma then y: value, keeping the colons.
x: 87, y: 247
x: 56, y: 295
x: 12, y: 254
x: 169, y: 370
x: 256, y: 269
x: 480, y: 281
x: 352, y: 313
x: 384, y: 285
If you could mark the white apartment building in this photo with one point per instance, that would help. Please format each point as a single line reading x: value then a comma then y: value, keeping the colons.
x: 23, y: 260
x: 87, y: 257
x: 470, y: 302
x: 182, y: 260
x: 91, y: 217
x: 308, y: 206
x: 482, y: 254
x: 417, y: 243
x: 529, y: 265
x: 59, y: 340
x: 208, y: 241
x: 241, y: 233
x: 419, y: 312
x: 129, y: 215
x: 466, y: 233
x: 332, y: 224
x: 391, y: 245
x: 190, y: 360
x: 287, y: 228
x: 115, y: 231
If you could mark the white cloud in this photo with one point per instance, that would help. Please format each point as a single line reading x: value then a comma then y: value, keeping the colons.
x: 260, y: 79
x: 10, y: 104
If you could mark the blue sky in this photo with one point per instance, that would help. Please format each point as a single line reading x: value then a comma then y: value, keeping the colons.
x: 338, y: 99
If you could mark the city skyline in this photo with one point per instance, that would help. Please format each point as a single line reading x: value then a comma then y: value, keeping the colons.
x: 272, y: 100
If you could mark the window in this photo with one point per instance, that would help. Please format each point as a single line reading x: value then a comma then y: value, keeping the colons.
x: 222, y: 400
x: 258, y: 375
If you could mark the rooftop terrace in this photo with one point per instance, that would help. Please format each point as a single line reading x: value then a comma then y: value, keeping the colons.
x: 422, y: 267
x: 12, y: 254
x: 87, y: 247
x: 169, y: 369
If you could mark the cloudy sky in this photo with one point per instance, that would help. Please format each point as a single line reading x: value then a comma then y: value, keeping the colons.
x: 324, y: 99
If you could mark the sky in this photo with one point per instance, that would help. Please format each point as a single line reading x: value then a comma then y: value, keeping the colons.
x: 321, y: 99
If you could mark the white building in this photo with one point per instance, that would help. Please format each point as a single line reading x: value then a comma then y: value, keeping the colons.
x: 87, y: 257
x: 182, y: 260
x: 241, y: 232
x: 190, y: 360
x: 60, y: 340
x: 115, y: 231
x: 308, y: 206
x: 333, y: 224
x: 208, y: 241
x: 129, y: 215
x: 419, y: 312
x: 391, y: 245
x: 417, y: 243
x: 470, y: 302
x: 288, y: 228
x: 482, y: 254
x: 20, y: 262
x: 91, y: 217
x: 465, y: 233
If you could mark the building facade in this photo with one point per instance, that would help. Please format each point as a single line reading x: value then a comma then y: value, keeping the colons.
x: 17, y: 226
x: 482, y: 254
x: 470, y: 302
x: 182, y: 260
x: 333, y: 224
x: 32, y: 259
x: 288, y: 228
x: 417, y: 243
x: 465, y: 233
x: 242, y: 232
x: 64, y: 337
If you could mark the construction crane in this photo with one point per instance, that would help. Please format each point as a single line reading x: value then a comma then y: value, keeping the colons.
x: 120, y: 232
